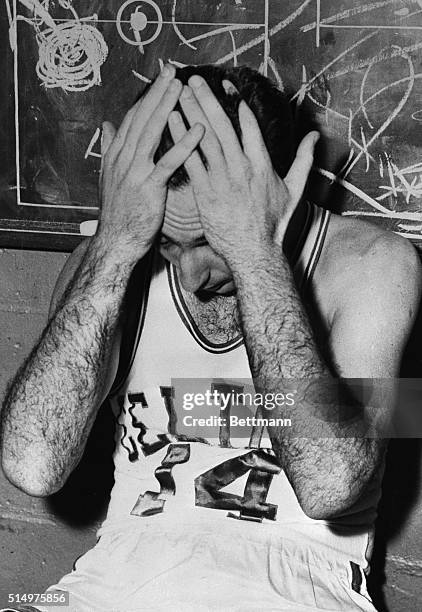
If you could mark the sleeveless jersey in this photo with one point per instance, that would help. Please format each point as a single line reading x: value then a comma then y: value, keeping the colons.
x: 213, y: 481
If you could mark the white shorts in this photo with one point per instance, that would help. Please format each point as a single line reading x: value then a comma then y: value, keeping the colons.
x: 199, y: 569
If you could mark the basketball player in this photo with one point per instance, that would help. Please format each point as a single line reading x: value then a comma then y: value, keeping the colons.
x: 218, y: 270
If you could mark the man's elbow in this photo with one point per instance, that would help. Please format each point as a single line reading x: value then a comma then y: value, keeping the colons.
x: 323, y: 510
x: 322, y: 503
x: 29, y: 479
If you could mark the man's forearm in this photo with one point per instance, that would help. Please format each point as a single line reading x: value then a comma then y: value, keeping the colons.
x: 52, y: 403
x: 325, y: 454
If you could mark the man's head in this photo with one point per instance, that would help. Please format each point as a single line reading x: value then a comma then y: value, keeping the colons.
x: 182, y: 238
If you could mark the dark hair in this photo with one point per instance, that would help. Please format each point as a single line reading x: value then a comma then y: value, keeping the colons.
x: 270, y: 106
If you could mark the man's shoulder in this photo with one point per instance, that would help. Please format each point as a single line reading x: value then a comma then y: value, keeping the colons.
x: 361, y: 259
x: 355, y: 246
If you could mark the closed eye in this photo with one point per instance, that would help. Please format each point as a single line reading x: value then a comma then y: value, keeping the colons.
x: 170, y: 251
x: 200, y: 241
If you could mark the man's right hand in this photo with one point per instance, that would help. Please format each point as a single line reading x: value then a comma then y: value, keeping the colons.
x: 52, y: 403
x: 133, y: 189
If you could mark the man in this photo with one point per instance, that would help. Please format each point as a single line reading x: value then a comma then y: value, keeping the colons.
x: 258, y: 284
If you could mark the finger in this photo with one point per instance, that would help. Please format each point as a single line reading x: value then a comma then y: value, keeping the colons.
x: 107, y: 137
x: 229, y: 88
x: 218, y: 119
x: 148, y: 138
x: 210, y: 144
x: 177, y: 155
x: 297, y: 176
x: 146, y: 105
x: 253, y: 141
x: 193, y: 164
x: 108, y: 134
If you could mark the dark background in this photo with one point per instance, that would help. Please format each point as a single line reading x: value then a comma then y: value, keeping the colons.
x: 362, y: 87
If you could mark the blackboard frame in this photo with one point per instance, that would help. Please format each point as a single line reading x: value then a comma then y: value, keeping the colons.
x: 382, y: 187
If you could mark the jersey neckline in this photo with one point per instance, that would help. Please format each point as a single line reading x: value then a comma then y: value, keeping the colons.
x: 188, y: 321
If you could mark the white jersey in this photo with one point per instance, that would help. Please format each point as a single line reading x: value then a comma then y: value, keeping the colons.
x: 178, y: 497
x: 164, y: 475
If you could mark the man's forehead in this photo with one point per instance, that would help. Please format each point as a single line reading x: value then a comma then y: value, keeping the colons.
x: 181, y: 217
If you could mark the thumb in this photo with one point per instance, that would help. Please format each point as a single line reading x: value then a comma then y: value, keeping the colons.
x: 109, y: 131
x: 107, y: 137
x: 298, y: 174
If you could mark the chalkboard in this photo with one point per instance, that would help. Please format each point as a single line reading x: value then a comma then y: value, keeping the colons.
x: 67, y: 65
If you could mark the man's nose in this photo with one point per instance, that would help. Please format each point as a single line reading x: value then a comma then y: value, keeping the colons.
x: 193, y: 272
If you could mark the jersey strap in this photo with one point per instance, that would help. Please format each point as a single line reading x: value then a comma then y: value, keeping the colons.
x: 312, y: 246
x: 297, y: 231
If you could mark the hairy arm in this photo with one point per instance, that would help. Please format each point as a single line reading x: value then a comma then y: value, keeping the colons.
x: 52, y: 402
x: 244, y: 207
x: 331, y: 454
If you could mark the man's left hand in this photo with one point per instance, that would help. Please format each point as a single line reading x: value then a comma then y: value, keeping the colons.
x: 242, y: 202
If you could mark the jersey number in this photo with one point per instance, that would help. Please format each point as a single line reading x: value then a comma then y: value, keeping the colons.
x: 260, y: 464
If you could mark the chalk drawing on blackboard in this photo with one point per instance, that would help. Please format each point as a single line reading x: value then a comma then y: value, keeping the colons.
x: 265, y: 37
x: 358, y: 11
x: 141, y: 77
x: 92, y: 142
x: 71, y: 53
x: 407, y: 181
x: 386, y: 104
x: 138, y: 22
x: 290, y: 43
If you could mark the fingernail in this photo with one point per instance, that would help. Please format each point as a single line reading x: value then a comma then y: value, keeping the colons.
x: 195, y: 81
x: 187, y: 92
x: 175, y: 117
x: 166, y: 71
x: 229, y: 88
x: 175, y: 85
